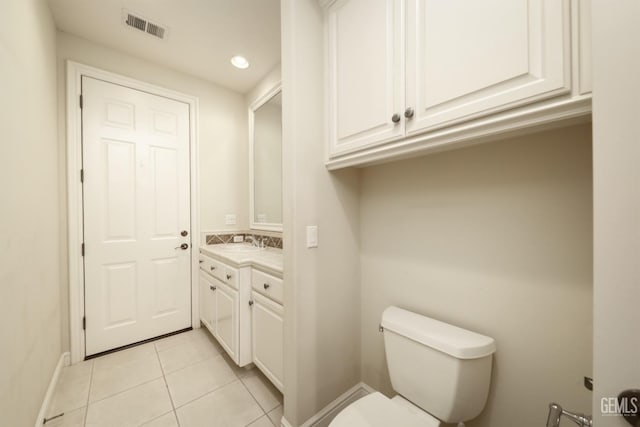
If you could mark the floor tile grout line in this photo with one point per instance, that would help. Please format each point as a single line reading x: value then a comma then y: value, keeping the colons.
x: 125, y: 390
x: 164, y: 378
x: 208, y: 393
x: 254, y: 398
x: 86, y: 410
x: 156, y: 418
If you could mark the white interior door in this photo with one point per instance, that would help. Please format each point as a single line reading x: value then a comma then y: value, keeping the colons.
x: 136, y: 205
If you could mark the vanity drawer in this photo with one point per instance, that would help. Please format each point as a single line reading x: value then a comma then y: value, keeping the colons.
x: 230, y: 276
x: 267, y: 285
x: 213, y: 267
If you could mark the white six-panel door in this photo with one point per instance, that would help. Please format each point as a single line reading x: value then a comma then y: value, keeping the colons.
x: 136, y: 204
x: 467, y: 59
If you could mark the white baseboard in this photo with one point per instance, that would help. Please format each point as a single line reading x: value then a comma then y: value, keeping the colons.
x: 324, y: 417
x: 64, y: 360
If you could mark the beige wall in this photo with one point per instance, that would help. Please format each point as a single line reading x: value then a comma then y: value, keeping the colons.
x: 616, y: 170
x: 268, y: 82
x: 222, y: 125
x: 322, y: 295
x: 30, y: 326
x: 496, y: 239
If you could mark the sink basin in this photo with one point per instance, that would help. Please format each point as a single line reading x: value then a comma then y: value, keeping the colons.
x: 239, y: 248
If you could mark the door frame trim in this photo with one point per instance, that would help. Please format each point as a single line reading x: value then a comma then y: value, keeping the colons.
x: 75, y: 71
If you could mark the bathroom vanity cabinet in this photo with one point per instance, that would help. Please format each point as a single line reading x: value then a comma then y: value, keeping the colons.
x: 405, y: 77
x: 242, y: 307
x: 220, y: 307
x: 267, y: 323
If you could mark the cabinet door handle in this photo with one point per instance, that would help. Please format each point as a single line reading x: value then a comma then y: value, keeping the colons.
x: 228, y: 276
x: 266, y: 286
x: 395, y: 118
x: 250, y: 303
x: 408, y: 113
x: 213, y: 288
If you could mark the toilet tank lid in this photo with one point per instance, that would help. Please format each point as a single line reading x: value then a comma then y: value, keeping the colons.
x: 457, y: 342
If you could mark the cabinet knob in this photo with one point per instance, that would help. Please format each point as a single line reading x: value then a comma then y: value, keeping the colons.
x: 228, y: 276
x: 408, y: 113
x: 213, y: 267
x: 250, y: 303
x: 201, y: 261
x: 213, y: 288
x: 395, y: 118
x: 266, y: 286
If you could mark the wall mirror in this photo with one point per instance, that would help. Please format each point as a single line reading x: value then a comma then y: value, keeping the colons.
x: 265, y: 161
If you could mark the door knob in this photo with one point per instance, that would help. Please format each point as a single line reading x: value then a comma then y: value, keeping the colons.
x: 395, y: 118
x: 408, y: 113
x: 184, y: 233
x: 183, y: 246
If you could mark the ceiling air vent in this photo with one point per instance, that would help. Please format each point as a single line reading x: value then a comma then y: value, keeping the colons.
x: 143, y: 24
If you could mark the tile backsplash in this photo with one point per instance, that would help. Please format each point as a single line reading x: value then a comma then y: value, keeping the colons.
x: 227, y: 237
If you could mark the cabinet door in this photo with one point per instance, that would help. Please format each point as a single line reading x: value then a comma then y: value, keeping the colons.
x: 227, y: 319
x: 471, y: 58
x: 267, y: 338
x: 584, y: 35
x: 365, y: 73
x: 207, y: 301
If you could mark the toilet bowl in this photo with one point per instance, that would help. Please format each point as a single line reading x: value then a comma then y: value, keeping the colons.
x: 441, y: 373
x: 377, y: 410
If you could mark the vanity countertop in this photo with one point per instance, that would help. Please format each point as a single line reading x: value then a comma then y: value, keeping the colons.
x: 269, y: 259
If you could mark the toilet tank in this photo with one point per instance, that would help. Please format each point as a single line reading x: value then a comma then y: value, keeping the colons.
x: 443, y: 369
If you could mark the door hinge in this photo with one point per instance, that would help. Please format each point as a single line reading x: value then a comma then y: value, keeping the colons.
x: 84, y: 323
x: 81, y: 102
x: 81, y: 175
x: 82, y: 249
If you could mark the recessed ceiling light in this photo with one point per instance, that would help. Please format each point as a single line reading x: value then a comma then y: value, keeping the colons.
x: 240, y: 62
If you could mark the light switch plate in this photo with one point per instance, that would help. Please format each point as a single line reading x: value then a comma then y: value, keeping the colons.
x: 230, y: 219
x: 312, y: 236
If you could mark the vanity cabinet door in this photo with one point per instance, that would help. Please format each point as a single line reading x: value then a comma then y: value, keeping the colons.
x: 267, y: 337
x: 226, y: 320
x: 467, y: 59
x: 207, y: 301
x: 365, y: 73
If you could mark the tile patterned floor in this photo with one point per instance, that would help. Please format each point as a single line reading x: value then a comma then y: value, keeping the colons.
x: 185, y: 380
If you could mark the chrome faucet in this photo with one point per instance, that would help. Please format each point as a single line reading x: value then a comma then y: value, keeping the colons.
x: 556, y: 411
x: 254, y: 242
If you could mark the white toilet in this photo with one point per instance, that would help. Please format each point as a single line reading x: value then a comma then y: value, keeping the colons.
x: 440, y: 372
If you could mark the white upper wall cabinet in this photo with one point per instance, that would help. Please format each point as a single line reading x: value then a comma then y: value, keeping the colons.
x: 471, y: 58
x: 405, y: 77
x: 365, y: 73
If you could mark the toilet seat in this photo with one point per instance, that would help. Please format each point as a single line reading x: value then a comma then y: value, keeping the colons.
x: 377, y: 410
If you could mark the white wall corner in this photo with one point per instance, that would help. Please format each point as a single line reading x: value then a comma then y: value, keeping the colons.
x: 64, y: 360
